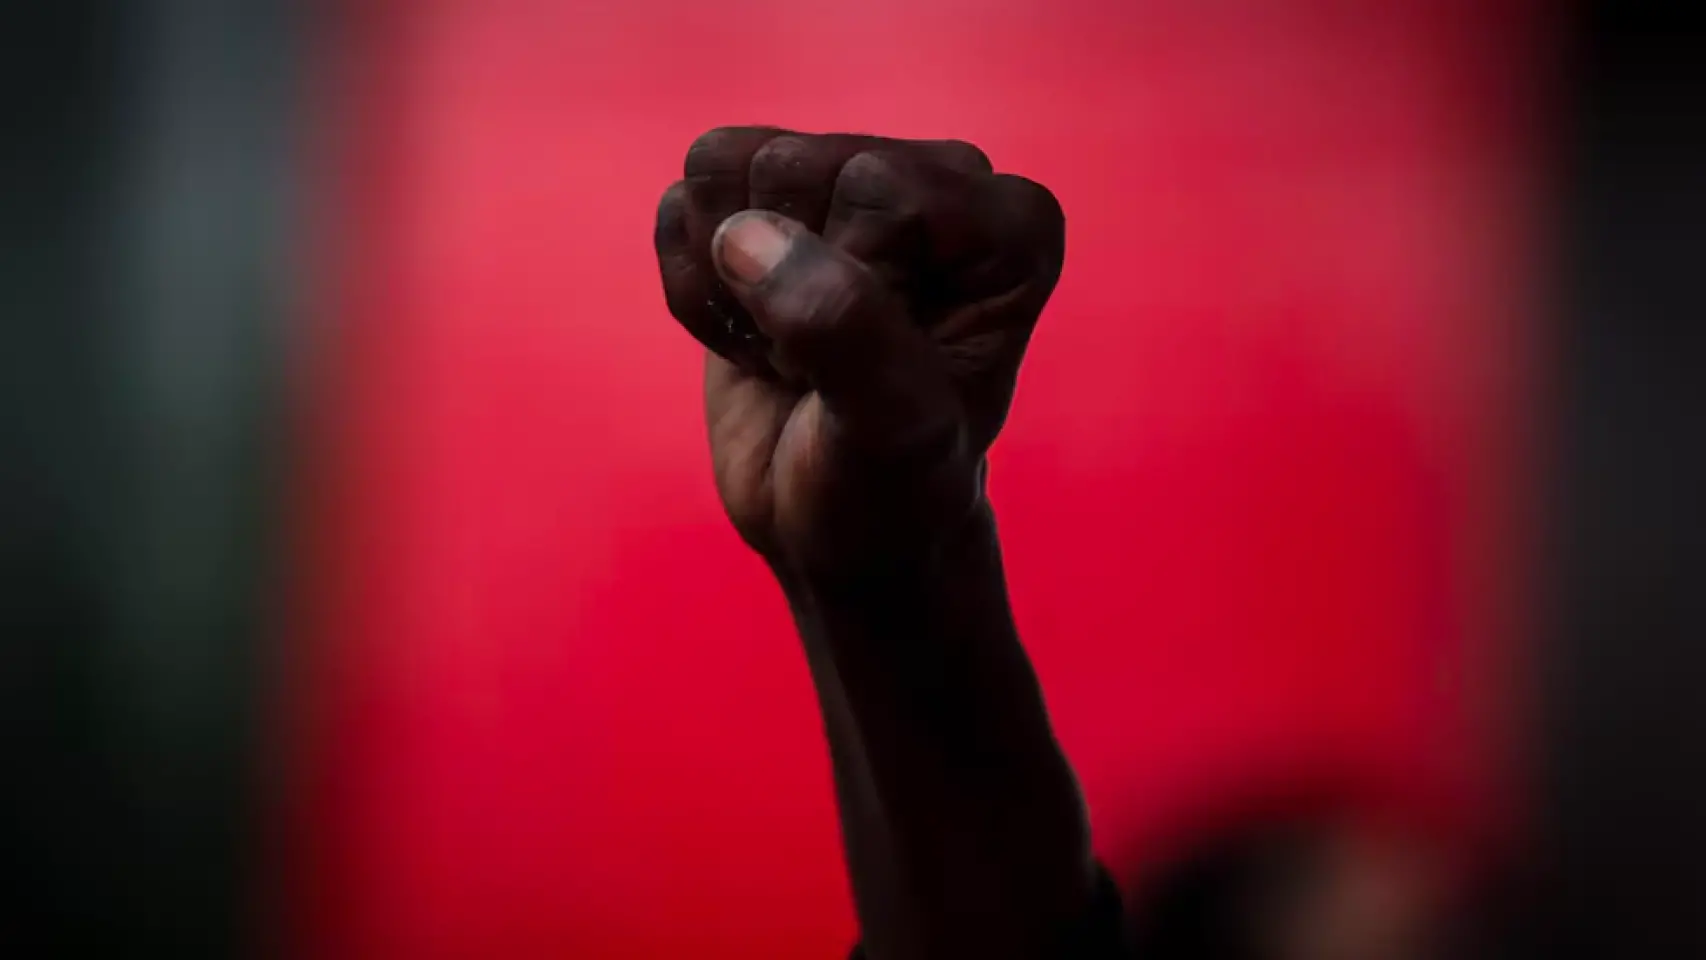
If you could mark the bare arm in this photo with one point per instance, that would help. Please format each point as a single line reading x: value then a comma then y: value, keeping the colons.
x: 865, y: 304
x: 964, y: 831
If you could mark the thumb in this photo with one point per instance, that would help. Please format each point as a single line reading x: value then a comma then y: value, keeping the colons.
x: 851, y: 338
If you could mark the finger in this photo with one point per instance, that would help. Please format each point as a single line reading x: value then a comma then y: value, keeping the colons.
x: 1023, y: 231
x: 715, y: 173
x: 689, y: 286
x: 732, y: 168
x: 998, y: 296
x: 844, y: 331
x: 976, y: 255
x: 958, y: 155
x: 908, y: 216
x: 795, y: 174
x: 981, y: 235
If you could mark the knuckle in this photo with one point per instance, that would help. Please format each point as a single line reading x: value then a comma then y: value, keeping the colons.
x: 723, y: 151
x: 961, y: 156
x: 1034, y: 215
x: 870, y: 181
x: 1034, y: 203
x: 783, y: 162
x: 670, y: 232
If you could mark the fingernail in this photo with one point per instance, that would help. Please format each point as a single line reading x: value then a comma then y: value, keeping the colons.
x: 749, y: 246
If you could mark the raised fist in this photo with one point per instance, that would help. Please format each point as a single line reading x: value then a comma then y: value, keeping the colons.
x: 865, y: 304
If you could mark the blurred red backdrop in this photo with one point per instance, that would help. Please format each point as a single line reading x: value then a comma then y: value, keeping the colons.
x: 1259, y: 495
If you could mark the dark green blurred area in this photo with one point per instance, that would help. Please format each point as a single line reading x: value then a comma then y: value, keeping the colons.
x: 144, y: 279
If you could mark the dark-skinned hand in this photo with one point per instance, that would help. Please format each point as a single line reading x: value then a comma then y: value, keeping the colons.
x: 865, y: 304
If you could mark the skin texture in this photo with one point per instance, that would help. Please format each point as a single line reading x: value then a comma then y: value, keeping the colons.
x: 852, y: 394
x: 865, y: 305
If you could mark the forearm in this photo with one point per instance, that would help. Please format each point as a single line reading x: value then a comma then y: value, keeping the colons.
x: 964, y: 830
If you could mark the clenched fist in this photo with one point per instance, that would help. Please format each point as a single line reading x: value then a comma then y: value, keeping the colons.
x: 865, y: 304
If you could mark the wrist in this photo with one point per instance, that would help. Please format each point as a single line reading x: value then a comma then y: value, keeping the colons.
x: 934, y: 633
x: 903, y: 572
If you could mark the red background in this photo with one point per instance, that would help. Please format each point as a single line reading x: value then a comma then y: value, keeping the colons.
x: 1257, y: 494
